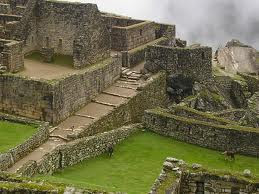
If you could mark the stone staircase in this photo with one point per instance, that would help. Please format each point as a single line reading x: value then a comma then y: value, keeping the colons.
x: 122, y: 90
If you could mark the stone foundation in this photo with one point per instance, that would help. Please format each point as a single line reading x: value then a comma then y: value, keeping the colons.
x: 222, y: 137
x: 192, y: 62
x: 54, y: 101
x: 177, y: 177
x: 8, y: 158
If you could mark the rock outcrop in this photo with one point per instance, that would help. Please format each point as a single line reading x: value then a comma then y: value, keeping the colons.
x: 237, y: 57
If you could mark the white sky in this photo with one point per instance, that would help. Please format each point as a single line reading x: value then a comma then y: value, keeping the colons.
x: 211, y: 22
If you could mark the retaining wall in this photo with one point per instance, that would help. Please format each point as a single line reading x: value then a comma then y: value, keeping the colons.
x: 192, y: 62
x: 177, y: 177
x: 152, y: 94
x: 8, y: 158
x: 136, y: 56
x: 130, y: 37
x: 244, y: 140
x: 77, y: 151
x: 55, y: 100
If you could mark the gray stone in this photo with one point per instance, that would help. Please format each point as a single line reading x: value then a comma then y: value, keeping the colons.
x: 247, y: 173
x: 196, y: 166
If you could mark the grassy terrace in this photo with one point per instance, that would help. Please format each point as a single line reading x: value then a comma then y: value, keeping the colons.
x: 138, y: 161
x: 12, y: 134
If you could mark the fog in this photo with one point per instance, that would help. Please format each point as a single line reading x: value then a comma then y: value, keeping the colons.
x: 210, y: 22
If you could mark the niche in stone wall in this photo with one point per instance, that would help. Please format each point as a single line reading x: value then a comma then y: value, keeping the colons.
x: 47, y: 42
x: 32, y: 39
x: 199, y: 188
x: 141, y: 32
x: 203, y: 55
x: 235, y: 190
x: 60, y: 43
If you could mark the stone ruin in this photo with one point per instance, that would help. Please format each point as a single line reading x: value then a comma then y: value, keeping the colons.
x: 105, y: 49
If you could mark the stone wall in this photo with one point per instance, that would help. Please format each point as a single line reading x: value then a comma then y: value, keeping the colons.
x: 130, y: 37
x: 53, y: 101
x: 177, y: 177
x: 244, y: 140
x: 77, y: 151
x: 15, y: 184
x: 137, y: 55
x: 152, y: 94
x: 5, y: 8
x: 8, y: 158
x: 122, y: 21
x: 193, y: 62
x: 74, y: 29
x: 11, y: 55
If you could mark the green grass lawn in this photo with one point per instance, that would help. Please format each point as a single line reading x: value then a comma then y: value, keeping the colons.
x: 138, y: 161
x: 64, y: 60
x: 12, y: 134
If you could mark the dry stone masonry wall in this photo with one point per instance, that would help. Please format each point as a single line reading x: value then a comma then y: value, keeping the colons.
x: 193, y: 62
x: 77, y: 151
x: 53, y: 101
x: 8, y: 158
x: 244, y: 140
x: 177, y: 177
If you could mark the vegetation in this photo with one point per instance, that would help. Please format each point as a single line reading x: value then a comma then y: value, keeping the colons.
x: 164, y: 112
x: 138, y: 160
x: 12, y: 134
x: 63, y: 60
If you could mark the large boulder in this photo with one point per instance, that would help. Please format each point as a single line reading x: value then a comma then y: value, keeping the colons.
x: 237, y: 57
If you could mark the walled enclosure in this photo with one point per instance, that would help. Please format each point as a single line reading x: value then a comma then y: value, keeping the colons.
x: 55, y: 100
x: 203, y: 132
x: 130, y: 37
x: 8, y: 158
x: 193, y: 62
x: 177, y: 177
x: 11, y: 55
x: 74, y: 29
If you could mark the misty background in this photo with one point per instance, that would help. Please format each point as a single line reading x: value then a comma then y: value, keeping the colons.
x: 210, y: 22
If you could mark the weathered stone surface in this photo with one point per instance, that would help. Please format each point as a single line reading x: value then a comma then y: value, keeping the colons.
x: 237, y: 57
x: 191, y: 62
x: 194, y: 181
x: 202, y: 133
x: 13, y: 155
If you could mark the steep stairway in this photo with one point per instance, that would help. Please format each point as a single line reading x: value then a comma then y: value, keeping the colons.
x: 122, y: 90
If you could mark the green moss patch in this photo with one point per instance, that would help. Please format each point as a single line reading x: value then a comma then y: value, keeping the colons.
x: 137, y: 162
x: 13, y: 134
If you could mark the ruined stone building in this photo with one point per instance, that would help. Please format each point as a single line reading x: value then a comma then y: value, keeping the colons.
x: 89, y: 37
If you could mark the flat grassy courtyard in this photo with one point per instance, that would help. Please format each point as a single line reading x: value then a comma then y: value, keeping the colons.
x: 63, y: 60
x: 138, y: 161
x: 12, y: 134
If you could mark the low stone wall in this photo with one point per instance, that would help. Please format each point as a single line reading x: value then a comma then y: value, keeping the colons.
x: 177, y: 177
x: 15, y: 184
x: 137, y: 55
x: 8, y: 158
x: 152, y: 94
x: 244, y: 140
x: 77, y: 151
x: 194, y: 62
x: 130, y: 37
x: 12, y: 55
x: 54, y: 101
